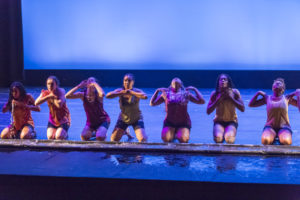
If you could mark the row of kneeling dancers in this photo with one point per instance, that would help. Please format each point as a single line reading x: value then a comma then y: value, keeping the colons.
x: 177, y: 124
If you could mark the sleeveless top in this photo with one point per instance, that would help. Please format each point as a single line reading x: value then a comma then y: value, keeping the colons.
x: 58, y: 116
x: 176, y: 108
x: 95, y: 114
x: 22, y: 116
x: 225, y: 112
x: 130, y: 109
x: 277, y: 113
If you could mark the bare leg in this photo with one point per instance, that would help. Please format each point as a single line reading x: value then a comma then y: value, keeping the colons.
x: 61, y: 134
x: 51, y: 133
x: 27, y: 133
x: 268, y: 136
x: 141, y: 134
x: 168, y: 134
x: 285, y: 137
x: 117, y: 135
x: 183, y: 135
x: 86, y: 133
x: 230, y: 133
x: 101, y: 133
x: 7, y: 133
x: 218, y: 133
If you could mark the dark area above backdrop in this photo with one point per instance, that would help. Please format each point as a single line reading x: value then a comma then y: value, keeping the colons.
x: 12, y: 65
x: 11, y: 42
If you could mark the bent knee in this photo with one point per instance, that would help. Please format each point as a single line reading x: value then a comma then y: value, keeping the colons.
x: 27, y: 135
x: 4, y: 136
x: 50, y: 137
x: 100, y: 138
x: 183, y: 139
x: 143, y: 139
x: 286, y: 141
x: 230, y: 139
x: 218, y: 139
x: 114, y: 137
x: 267, y: 140
x: 61, y: 136
x: 166, y: 138
x: 84, y: 137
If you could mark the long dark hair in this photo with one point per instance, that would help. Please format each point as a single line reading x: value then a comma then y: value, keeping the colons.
x: 230, y: 83
x: 21, y: 89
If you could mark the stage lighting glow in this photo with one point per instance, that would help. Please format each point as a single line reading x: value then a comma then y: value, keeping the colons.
x: 161, y: 34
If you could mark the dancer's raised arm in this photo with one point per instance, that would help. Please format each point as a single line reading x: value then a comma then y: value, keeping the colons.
x: 255, y: 102
x: 198, y: 98
x: 213, y: 101
x: 138, y: 93
x: 116, y: 93
x: 235, y: 97
x: 157, y: 98
x: 72, y: 94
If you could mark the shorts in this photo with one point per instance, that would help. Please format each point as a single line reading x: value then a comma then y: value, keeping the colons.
x: 225, y: 124
x: 65, y: 126
x: 17, y: 134
x: 136, y: 125
x: 176, y: 126
x: 105, y: 124
x: 278, y: 129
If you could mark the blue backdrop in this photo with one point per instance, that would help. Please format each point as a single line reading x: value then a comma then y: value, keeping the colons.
x: 161, y: 34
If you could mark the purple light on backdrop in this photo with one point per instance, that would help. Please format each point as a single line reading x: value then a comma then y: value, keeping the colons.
x: 205, y: 34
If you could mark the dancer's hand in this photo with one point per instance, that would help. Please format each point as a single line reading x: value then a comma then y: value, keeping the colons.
x: 229, y: 93
x: 297, y: 93
x: 162, y: 90
x: 52, y: 96
x: 83, y: 84
x: 45, y: 92
x: 263, y: 94
x: 190, y: 88
x: 220, y: 96
x: 16, y: 103
x: 123, y: 92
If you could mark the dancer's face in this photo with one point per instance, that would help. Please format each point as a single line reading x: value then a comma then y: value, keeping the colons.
x: 278, y: 87
x: 176, y: 84
x: 51, y: 85
x: 128, y: 82
x: 223, y: 81
x: 90, y: 94
x: 15, y: 93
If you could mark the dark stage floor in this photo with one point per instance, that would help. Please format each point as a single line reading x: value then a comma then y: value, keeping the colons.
x: 152, y: 166
x: 251, y: 122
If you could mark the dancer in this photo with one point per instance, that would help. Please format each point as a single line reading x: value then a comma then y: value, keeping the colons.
x: 224, y: 100
x: 297, y: 95
x: 20, y: 104
x: 277, y: 125
x: 177, y: 123
x: 129, y: 98
x: 97, y: 120
x: 59, y: 116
